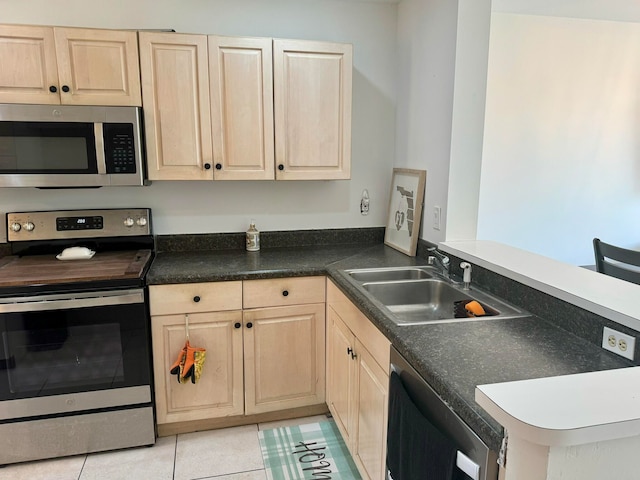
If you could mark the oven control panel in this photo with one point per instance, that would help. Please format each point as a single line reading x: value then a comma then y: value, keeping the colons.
x: 63, y: 224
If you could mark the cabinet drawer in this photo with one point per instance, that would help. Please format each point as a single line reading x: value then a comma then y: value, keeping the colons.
x: 195, y: 297
x: 283, y: 291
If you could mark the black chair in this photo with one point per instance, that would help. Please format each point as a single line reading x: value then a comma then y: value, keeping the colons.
x: 622, y: 258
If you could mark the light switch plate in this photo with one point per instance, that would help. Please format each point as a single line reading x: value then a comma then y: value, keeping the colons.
x: 437, y: 217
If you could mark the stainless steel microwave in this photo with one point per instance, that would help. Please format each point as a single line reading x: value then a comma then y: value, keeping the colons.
x: 56, y: 146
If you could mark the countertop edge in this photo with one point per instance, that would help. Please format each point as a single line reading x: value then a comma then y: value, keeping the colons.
x: 603, y: 417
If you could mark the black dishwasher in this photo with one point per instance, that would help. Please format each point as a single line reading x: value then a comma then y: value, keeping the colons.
x: 426, y: 439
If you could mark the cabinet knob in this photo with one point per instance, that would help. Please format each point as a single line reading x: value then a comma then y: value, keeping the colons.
x: 281, y: 167
x: 207, y: 166
x: 196, y: 298
x: 218, y: 166
x: 249, y: 325
x: 65, y: 88
x: 285, y: 293
x: 53, y: 89
x: 237, y: 325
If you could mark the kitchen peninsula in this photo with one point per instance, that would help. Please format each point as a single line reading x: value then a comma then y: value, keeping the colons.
x: 454, y: 358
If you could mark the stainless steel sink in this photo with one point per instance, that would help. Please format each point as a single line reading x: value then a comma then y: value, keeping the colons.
x: 414, y: 296
x: 391, y: 274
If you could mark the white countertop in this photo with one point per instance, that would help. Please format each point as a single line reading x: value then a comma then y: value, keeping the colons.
x: 567, y: 410
x: 609, y: 297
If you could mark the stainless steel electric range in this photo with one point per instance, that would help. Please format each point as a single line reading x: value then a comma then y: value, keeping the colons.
x: 75, y: 360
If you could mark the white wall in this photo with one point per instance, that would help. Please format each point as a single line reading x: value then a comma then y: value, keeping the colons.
x: 426, y: 68
x: 199, y: 207
x: 561, y: 161
x: 442, y: 61
x: 472, y: 50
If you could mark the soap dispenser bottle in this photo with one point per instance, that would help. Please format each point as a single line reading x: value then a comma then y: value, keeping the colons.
x: 253, y: 238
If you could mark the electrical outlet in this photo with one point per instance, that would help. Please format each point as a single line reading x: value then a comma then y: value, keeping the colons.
x: 618, y: 342
x: 364, y: 202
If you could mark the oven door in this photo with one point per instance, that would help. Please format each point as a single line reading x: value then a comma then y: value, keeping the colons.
x: 68, y: 352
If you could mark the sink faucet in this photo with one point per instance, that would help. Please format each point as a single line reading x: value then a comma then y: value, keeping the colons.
x: 440, y: 259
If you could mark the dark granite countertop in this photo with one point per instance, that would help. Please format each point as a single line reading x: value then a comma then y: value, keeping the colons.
x: 225, y: 265
x: 453, y: 357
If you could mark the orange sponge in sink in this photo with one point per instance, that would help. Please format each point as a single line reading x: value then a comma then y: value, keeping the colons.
x: 475, y: 309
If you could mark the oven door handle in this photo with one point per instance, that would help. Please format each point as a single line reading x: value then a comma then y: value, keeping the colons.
x: 68, y: 301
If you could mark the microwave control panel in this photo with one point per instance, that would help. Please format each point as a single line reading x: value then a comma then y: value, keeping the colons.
x: 119, y: 148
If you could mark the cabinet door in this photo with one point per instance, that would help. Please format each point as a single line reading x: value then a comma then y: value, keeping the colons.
x: 29, y: 67
x: 242, y: 107
x: 98, y: 67
x: 284, y: 357
x: 219, y: 392
x: 341, y: 376
x: 372, y: 401
x: 312, y: 102
x: 175, y: 89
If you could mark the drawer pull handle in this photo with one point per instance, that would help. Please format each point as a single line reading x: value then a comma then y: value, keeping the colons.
x: 351, y: 352
x: 237, y: 325
x: 285, y: 293
x: 249, y: 325
x: 196, y: 298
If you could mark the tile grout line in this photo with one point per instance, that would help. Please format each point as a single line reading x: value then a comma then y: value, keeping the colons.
x: 230, y: 474
x: 82, y: 468
x: 175, y: 454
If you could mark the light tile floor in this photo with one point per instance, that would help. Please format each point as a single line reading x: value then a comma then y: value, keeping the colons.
x: 225, y: 454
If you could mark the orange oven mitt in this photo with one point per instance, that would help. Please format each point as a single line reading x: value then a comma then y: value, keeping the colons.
x: 189, y: 364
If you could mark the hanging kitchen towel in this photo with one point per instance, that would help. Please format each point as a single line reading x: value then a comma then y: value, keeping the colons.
x: 415, y: 448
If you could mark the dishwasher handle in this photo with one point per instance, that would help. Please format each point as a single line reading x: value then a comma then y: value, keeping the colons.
x: 467, y: 465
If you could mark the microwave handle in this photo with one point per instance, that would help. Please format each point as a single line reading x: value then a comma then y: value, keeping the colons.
x: 98, y: 133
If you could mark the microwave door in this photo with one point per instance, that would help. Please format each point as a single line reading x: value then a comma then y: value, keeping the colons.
x: 51, y: 154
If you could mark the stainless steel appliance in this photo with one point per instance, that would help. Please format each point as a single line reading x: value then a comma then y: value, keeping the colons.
x: 473, y: 458
x: 70, y: 146
x: 75, y: 361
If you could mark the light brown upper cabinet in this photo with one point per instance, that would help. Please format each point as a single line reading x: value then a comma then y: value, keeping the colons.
x: 312, y: 99
x: 242, y: 107
x: 71, y: 66
x: 209, y: 108
x: 175, y: 90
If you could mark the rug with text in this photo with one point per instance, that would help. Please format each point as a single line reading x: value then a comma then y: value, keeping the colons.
x: 307, y: 452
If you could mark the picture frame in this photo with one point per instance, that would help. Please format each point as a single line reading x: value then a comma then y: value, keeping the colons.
x: 405, y: 210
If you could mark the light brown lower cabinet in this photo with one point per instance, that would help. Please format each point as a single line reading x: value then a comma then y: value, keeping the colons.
x: 284, y: 357
x: 358, y: 382
x: 267, y: 357
x: 219, y: 391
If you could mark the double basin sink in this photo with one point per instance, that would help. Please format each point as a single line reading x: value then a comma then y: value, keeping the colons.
x: 421, y: 295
